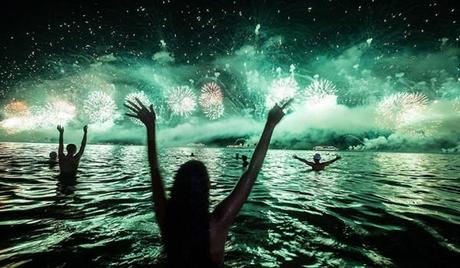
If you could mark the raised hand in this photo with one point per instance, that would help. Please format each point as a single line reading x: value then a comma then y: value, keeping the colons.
x: 60, y: 129
x: 140, y: 111
x: 295, y: 156
x: 276, y: 113
x: 85, y: 128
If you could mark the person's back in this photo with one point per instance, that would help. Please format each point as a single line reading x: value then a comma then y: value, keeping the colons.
x: 193, y: 236
x: 317, y: 166
x: 187, y: 229
x: 68, y: 163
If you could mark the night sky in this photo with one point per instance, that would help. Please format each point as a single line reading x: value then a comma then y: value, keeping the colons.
x: 389, y: 69
x: 36, y: 33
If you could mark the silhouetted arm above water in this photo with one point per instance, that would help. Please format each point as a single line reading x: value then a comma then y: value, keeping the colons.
x: 332, y: 161
x: 147, y: 116
x: 228, y: 209
x: 61, y: 140
x: 83, y: 142
x: 303, y: 160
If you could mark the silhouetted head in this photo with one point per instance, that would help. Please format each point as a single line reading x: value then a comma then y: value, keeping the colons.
x: 71, y: 149
x: 316, y: 158
x: 53, y: 156
x: 188, y: 217
x: 245, y: 158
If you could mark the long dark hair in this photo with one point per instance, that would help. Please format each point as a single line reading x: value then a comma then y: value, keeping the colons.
x: 187, y: 235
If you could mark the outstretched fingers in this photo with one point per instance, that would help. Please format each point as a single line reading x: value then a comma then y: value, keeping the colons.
x: 287, y: 103
x: 132, y: 115
x: 141, y: 104
x: 132, y: 107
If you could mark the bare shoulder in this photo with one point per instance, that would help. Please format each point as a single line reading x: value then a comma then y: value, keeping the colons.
x: 217, y: 221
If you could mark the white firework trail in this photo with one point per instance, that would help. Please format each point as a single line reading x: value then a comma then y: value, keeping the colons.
x: 400, y: 110
x: 280, y: 91
x: 100, y: 108
x: 182, y: 101
x: 211, y: 100
x: 320, y: 92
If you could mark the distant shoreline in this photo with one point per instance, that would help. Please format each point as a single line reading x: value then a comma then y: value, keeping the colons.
x: 251, y: 148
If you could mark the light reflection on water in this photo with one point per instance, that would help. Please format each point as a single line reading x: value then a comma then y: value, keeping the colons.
x: 371, y: 209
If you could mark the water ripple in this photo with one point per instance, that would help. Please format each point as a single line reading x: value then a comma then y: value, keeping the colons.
x: 369, y: 209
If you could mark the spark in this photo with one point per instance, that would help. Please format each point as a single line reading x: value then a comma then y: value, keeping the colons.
x: 320, y: 91
x: 100, y: 108
x: 400, y: 110
x: 181, y: 101
x: 17, y: 124
x: 59, y: 112
x: 16, y: 108
x: 211, y: 100
x: 281, y: 90
x: 214, y: 111
x: 256, y: 31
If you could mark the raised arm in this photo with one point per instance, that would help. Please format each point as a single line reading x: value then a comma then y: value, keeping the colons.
x: 227, y: 210
x: 83, y: 142
x: 303, y: 160
x: 61, y: 140
x: 147, y: 116
x: 332, y: 161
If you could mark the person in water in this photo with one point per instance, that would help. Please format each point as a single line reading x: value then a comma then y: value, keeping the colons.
x: 194, y: 236
x: 245, y: 160
x: 316, y: 165
x: 68, y: 163
x: 52, y: 159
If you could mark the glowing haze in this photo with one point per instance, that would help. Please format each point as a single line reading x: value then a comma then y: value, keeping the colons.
x: 370, y: 93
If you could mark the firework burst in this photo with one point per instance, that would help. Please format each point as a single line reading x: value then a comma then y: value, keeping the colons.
x: 17, y: 124
x: 211, y: 100
x: 214, y: 111
x: 400, y: 110
x: 281, y: 90
x: 182, y: 101
x: 100, y: 108
x: 16, y: 108
x: 56, y: 113
x: 320, y: 91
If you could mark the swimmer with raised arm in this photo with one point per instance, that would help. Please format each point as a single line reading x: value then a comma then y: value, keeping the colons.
x: 68, y: 163
x: 193, y: 236
x: 316, y: 165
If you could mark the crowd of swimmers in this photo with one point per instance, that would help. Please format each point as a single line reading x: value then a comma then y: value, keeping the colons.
x: 192, y: 235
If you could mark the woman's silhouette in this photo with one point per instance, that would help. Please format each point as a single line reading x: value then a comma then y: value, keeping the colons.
x: 193, y: 236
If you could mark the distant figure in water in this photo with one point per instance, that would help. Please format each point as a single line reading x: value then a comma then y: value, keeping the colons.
x: 316, y: 165
x: 52, y: 161
x: 245, y: 161
x: 192, y: 155
x: 193, y: 236
x: 68, y: 164
x: 237, y: 156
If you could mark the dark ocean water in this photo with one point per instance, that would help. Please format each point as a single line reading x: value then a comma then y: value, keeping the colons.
x: 368, y: 209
